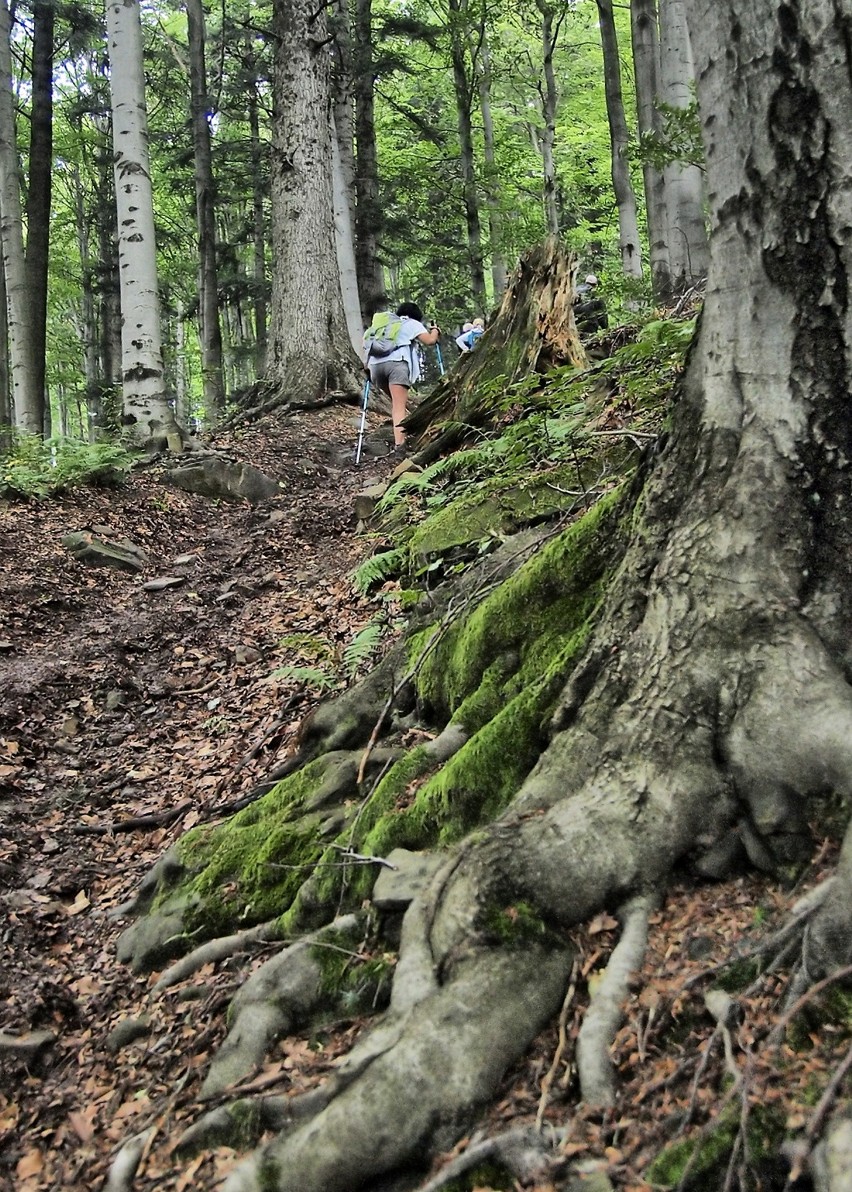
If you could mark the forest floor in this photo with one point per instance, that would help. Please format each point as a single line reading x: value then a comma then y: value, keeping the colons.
x: 120, y: 701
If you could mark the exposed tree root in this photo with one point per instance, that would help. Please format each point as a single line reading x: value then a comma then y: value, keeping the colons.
x: 276, y: 1000
x: 126, y: 1163
x: 524, y: 1153
x: 602, y: 1019
x: 410, y: 1094
x: 215, y: 950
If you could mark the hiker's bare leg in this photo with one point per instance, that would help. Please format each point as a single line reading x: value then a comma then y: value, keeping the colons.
x: 399, y: 408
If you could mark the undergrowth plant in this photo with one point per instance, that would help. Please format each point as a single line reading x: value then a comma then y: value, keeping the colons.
x: 35, y: 467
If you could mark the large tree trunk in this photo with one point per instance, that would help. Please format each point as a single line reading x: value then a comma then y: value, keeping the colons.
x: 710, y: 701
x: 27, y: 398
x: 40, y: 190
x: 147, y: 413
x: 309, y: 351
x: 205, y: 216
x: 628, y: 226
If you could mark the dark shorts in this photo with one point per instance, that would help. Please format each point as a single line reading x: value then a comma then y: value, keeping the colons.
x: 384, y: 373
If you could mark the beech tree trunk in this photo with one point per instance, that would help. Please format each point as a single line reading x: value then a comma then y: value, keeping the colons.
x: 310, y: 351
x: 27, y: 397
x: 549, y: 100
x: 205, y: 217
x: 258, y: 158
x: 712, y: 699
x: 646, y: 67
x: 684, y: 184
x: 147, y: 413
x: 628, y: 225
x: 499, y: 273
x: 39, y: 190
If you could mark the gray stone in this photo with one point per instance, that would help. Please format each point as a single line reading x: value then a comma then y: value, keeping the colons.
x: 396, y: 888
x: 162, y: 582
x: 128, y: 1031
x: 25, y: 1047
x: 217, y: 477
x: 366, y: 501
x: 123, y: 555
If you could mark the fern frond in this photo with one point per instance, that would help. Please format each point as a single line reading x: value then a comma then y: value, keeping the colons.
x: 363, y: 646
x: 311, y: 676
x: 376, y: 569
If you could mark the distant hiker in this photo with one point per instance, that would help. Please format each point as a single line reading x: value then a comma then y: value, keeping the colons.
x: 390, y: 353
x: 461, y: 340
x: 470, y: 335
x: 590, y: 312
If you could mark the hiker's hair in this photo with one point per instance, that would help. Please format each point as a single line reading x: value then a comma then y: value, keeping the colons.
x: 410, y: 310
x: 380, y: 302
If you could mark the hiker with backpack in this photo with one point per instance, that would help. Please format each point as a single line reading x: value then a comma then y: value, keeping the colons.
x: 392, y: 359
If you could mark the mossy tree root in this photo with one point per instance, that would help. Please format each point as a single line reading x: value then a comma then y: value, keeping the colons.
x: 215, y: 950
x: 277, y: 1000
x: 419, y: 1086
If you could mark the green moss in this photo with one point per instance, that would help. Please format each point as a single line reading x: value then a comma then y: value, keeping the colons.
x: 707, y: 1156
x: 485, y: 1175
x: 833, y: 1007
x: 736, y: 977
x: 517, y: 925
x: 351, y: 981
x: 530, y: 615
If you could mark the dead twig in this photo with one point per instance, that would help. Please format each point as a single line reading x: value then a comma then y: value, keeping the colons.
x: 562, y: 1043
x: 158, y: 819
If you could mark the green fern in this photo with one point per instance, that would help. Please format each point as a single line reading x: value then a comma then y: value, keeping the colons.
x: 376, y: 569
x: 363, y: 646
x: 311, y: 676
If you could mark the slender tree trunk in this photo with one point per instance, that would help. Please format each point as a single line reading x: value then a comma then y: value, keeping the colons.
x: 646, y: 66
x: 549, y: 100
x: 205, y: 214
x: 345, y: 242
x: 27, y: 397
x: 343, y: 99
x: 40, y: 187
x: 309, y: 352
x: 499, y: 275
x: 258, y: 157
x: 147, y: 412
x: 459, y: 17
x: 88, y: 328
x: 684, y: 185
x: 5, y: 392
x: 628, y: 225
x: 368, y: 212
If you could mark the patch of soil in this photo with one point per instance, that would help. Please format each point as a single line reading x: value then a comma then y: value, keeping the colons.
x: 118, y: 702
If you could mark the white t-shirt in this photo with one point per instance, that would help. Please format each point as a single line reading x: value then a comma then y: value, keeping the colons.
x: 408, y: 350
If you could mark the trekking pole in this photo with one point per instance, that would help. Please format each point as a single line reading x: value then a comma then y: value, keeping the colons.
x: 365, y: 399
x: 440, y: 357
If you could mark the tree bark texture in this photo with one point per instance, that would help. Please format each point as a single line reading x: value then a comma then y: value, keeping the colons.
x: 549, y: 100
x: 713, y: 698
x: 628, y: 226
x: 205, y: 216
x: 147, y: 413
x: 258, y: 158
x: 39, y: 190
x: 309, y: 351
x: 646, y: 69
x: 499, y: 273
x: 368, y: 212
x: 459, y: 17
x: 27, y: 398
x: 684, y: 184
